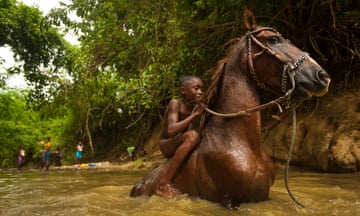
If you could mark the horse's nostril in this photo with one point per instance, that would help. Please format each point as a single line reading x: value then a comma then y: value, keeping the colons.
x: 322, y: 76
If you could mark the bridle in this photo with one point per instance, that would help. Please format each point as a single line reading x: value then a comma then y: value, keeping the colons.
x: 289, y: 68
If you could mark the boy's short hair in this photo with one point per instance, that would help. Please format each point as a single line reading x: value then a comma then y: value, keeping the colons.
x: 186, y: 78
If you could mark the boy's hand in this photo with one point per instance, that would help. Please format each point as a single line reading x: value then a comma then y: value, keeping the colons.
x: 200, y: 108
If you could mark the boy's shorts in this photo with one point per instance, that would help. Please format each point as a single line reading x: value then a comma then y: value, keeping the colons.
x: 47, y: 156
x: 78, y: 155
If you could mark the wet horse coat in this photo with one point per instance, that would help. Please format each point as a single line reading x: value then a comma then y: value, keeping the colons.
x: 229, y: 165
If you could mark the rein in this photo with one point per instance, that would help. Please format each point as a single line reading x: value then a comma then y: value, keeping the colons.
x: 289, y: 158
x: 288, y: 69
x: 249, y: 111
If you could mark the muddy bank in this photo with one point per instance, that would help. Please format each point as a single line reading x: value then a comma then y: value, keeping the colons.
x: 327, y: 137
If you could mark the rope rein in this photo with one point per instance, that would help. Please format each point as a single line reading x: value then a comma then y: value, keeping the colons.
x: 248, y: 111
x: 289, y: 159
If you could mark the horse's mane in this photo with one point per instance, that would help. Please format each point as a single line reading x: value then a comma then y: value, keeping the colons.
x: 217, y: 76
x: 216, y: 82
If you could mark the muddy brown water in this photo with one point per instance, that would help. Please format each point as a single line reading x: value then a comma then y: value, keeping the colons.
x: 106, y: 192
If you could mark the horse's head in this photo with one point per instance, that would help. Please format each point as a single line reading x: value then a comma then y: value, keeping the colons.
x: 276, y: 64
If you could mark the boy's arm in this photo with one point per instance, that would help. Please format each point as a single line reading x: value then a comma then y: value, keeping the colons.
x: 174, y: 125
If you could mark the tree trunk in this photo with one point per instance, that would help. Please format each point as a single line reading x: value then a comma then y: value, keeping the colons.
x: 88, y: 133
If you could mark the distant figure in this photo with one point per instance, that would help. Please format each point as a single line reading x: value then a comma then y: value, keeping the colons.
x: 21, y: 158
x: 42, y: 157
x: 47, y: 153
x: 131, y: 151
x: 58, y: 157
x: 79, y: 153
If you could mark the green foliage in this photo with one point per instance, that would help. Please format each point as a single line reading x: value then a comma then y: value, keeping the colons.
x: 38, y: 47
x: 17, y: 127
x: 20, y: 126
x: 132, y: 54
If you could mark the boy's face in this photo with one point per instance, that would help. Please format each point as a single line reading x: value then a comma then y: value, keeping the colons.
x: 192, y: 90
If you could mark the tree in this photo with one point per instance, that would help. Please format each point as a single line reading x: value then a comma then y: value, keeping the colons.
x: 133, y: 52
x: 17, y: 127
x: 38, y: 47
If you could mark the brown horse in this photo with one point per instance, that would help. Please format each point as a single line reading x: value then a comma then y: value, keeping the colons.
x: 229, y: 166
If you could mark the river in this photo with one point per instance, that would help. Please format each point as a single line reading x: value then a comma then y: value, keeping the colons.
x: 106, y: 192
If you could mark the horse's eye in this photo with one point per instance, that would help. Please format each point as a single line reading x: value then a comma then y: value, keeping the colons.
x: 273, y: 40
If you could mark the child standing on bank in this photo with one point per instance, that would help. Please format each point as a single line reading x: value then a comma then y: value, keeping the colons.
x: 21, y: 158
x: 47, y: 153
x: 79, y: 153
x: 176, y: 140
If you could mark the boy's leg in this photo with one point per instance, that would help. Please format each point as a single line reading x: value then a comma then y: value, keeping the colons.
x: 47, y: 160
x: 42, y: 162
x: 19, y: 163
x: 190, y: 141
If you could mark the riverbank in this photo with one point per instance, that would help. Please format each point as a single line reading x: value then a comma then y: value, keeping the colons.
x: 138, y: 164
x: 142, y: 163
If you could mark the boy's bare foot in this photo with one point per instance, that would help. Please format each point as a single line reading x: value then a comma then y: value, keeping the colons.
x: 167, y: 191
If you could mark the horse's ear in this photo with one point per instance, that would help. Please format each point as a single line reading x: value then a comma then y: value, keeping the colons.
x: 249, y: 19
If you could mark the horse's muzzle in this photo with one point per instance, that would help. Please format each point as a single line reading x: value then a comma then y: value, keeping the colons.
x: 311, y: 84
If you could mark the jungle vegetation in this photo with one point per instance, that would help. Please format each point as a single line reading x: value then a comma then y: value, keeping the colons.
x: 112, y: 89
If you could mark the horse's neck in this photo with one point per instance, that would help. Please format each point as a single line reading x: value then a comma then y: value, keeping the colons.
x: 238, y: 92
